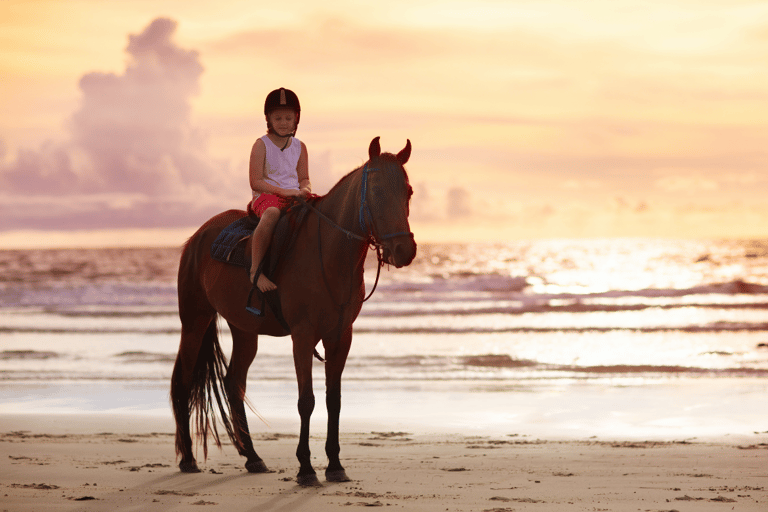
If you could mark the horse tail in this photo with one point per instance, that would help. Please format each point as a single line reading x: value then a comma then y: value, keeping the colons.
x: 208, y: 391
x: 200, y: 394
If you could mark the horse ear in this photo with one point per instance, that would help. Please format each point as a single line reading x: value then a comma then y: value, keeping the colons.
x: 405, y: 154
x: 374, y: 150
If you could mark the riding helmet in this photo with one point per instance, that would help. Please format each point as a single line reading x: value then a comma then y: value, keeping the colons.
x: 282, y: 98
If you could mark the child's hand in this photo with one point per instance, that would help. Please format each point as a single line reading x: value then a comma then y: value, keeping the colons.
x: 292, y: 193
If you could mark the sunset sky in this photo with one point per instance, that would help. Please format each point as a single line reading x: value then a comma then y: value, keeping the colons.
x: 528, y: 119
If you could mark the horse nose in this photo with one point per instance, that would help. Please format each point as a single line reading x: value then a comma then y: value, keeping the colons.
x: 403, y: 253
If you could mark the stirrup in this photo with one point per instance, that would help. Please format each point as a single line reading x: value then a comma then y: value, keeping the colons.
x: 252, y: 310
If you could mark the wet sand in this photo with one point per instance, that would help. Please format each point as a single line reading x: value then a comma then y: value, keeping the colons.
x: 68, y: 463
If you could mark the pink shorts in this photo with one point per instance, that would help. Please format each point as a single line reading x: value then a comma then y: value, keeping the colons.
x: 260, y: 204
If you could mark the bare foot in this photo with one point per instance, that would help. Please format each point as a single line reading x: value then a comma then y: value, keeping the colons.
x: 264, y: 284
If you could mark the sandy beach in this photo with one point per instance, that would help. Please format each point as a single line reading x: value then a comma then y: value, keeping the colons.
x: 57, y: 462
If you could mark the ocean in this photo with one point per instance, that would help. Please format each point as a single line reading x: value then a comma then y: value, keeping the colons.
x: 615, y: 337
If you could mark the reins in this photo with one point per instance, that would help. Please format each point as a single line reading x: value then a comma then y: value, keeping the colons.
x: 331, y: 222
x: 366, y: 225
x: 350, y: 235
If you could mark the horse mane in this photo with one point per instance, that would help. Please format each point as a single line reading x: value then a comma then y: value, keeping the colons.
x: 384, y: 156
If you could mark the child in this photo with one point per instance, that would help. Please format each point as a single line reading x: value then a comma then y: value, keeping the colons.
x: 278, y: 172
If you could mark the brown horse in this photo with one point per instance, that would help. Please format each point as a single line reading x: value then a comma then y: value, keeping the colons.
x: 321, y: 291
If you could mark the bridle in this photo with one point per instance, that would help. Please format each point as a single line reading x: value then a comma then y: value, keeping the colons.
x: 365, y: 220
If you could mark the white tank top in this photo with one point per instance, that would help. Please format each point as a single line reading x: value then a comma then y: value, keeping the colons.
x: 280, y: 166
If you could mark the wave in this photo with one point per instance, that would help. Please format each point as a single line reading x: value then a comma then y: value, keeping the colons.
x: 115, y: 298
x: 460, y: 281
x: 496, y: 361
x: 624, y: 369
x: 391, y: 368
x: 708, y: 328
x: 516, y: 286
x: 60, y: 295
x: 572, y: 307
x: 490, y: 364
x: 424, y: 306
x: 89, y: 330
x: 140, y: 356
x: 6, y: 355
x: 735, y: 287
x: 714, y: 327
x: 409, y: 299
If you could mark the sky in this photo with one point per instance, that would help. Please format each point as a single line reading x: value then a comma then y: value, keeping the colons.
x: 129, y: 121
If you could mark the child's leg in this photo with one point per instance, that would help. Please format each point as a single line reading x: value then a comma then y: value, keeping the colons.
x: 262, y: 236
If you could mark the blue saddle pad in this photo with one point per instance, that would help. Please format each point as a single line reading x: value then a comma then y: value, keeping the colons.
x: 229, y: 246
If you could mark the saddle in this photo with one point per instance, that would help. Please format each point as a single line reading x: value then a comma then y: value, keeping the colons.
x: 230, y: 247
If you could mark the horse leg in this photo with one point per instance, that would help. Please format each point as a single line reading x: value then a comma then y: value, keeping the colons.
x: 336, y: 352
x: 192, y: 335
x: 244, y: 347
x: 303, y: 349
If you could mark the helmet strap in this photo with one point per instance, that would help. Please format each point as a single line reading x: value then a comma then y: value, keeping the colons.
x: 287, y: 138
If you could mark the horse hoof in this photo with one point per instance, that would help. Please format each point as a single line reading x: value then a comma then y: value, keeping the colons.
x: 256, y: 466
x: 189, y: 467
x: 308, y: 480
x: 338, y: 475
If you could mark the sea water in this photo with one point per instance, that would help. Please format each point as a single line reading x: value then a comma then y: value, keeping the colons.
x: 617, y: 337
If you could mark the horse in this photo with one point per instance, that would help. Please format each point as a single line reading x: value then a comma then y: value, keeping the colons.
x: 321, y: 291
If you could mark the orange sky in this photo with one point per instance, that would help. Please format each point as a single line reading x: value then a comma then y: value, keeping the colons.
x: 536, y: 119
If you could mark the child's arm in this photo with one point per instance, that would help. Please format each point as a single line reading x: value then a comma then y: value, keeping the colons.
x: 302, y: 169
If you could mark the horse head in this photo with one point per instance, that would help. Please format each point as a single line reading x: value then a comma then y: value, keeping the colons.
x: 388, y: 192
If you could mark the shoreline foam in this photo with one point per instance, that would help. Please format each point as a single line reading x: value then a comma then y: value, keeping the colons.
x: 628, y: 408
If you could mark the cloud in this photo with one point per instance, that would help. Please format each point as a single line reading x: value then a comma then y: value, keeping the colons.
x: 689, y: 184
x: 422, y: 204
x: 332, y: 41
x: 130, y: 138
x: 46, y: 171
x: 135, y: 127
x: 746, y: 178
x: 580, y: 184
x: 459, y: 203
